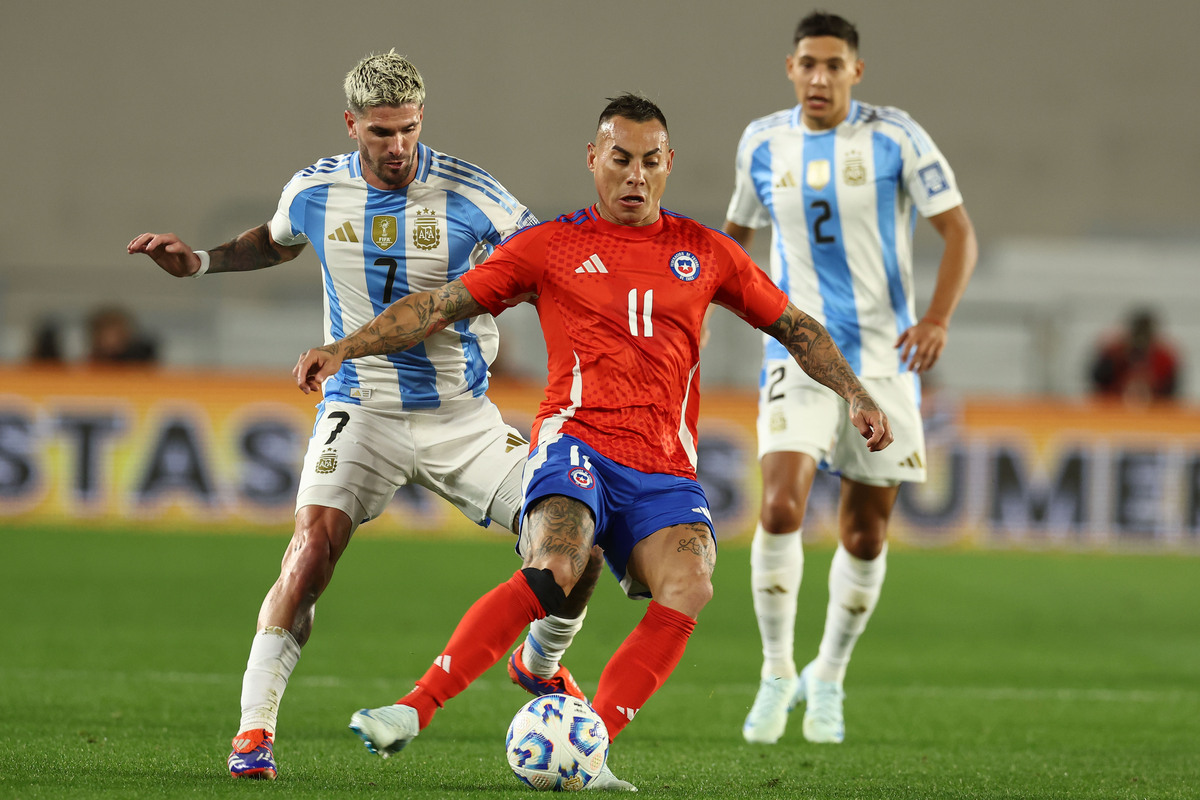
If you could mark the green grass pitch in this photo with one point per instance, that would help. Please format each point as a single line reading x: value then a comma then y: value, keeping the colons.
x: 983, y: 674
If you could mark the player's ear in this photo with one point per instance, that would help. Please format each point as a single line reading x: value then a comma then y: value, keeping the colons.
x: 670, y: 160
x: 350, y: 120
x: 591, y: 157
x: 859, y: 65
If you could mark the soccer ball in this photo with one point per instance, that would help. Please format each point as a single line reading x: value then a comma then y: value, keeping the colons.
x: 557, y: 742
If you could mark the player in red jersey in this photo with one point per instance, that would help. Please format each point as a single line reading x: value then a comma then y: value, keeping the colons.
x: 621, y: 289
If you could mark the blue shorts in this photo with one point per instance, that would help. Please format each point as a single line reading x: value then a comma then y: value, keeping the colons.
x: 627, y: 504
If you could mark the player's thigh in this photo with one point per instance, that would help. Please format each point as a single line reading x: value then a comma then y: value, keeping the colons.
x: 795, y: 413
x: 564, y: 469
x: 904, y: 459
x: 673, y: 512
x: 467, y: 454
x: 356, y: 459
x: 676, y: 565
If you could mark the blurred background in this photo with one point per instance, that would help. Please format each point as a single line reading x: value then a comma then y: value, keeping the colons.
x: 1070, y: 126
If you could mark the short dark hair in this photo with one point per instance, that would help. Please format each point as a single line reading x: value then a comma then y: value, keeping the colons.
x: 822, y: 23
x: 632, y: 107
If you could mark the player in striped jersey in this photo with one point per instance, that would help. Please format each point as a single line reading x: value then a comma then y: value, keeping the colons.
x: 391, y: 218
x: 840, y: 183
x: 621, y: 290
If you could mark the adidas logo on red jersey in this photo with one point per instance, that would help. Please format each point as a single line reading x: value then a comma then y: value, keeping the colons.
x: 593, y: 264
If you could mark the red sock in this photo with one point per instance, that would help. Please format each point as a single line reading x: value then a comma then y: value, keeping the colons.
x: 641, y: 664
x: 484, y: 635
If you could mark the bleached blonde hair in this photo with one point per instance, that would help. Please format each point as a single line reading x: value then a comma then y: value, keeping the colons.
x: 384, y: 79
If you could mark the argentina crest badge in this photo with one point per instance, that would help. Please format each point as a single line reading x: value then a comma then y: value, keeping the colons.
x: 426, y: 234
x: 685, y: 265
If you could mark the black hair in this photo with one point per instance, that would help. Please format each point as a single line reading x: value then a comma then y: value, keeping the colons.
x: 632, y: 107
x: 822, y: 23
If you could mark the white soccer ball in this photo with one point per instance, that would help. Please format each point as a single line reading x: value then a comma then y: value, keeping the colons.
x: 557, y: 743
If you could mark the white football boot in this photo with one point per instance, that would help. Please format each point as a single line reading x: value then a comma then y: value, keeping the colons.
x: 823, y: 720
x: 768, y: 716
x: 605, y: 781
x: 385, y: 731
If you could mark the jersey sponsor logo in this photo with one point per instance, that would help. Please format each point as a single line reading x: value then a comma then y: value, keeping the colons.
x: 514, y: 441
x: 854, y: 173
x: 581, y: 477
x: 426, y: 234
x: 593, y: 264
x: 786, y: 181
x: 817, y: 173
x: 344, y: 233
x: 913, y: 461
x: 685, y: 265
x: 704, y: 512
x: 327, y: 462
x: 933, y: 179
x: 383, y: 231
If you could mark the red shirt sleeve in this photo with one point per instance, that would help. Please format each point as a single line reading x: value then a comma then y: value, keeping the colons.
x: 509, y: 276
x: 746, y: 290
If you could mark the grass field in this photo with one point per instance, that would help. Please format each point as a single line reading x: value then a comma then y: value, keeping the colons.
x: 982, y: 675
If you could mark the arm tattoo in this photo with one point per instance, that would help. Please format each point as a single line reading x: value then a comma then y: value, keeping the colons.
x: 254, y: 249
x: 814, y: 350
x: 409, y: 321
x: 563, y: 527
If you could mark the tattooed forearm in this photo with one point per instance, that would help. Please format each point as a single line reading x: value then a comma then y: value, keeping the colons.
x: 814, y: 350
x: 560, y: 526
x: 409, y: 321
x: 254, y: 249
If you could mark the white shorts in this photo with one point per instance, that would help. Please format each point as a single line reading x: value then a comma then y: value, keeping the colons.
x: 796, y: 414
x: 358, y: 457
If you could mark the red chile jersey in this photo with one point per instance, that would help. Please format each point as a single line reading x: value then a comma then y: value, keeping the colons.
x: 621, y: 308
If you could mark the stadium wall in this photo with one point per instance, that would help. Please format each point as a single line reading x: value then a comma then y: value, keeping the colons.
x: 191, y: 450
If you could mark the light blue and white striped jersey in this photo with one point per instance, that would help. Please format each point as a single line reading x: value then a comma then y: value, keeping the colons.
x: 377, y: 246
x: 842, y: 207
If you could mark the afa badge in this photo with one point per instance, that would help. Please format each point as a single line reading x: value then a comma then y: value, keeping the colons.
x: 327, y: 463
x: 426, y: 234
x: 685, y: 265
x: 581, y: 478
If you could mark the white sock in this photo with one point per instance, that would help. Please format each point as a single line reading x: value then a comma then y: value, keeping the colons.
x: 776, y: 566
x: 854, y: 587
x: 273, y: 656
x: 548, y: 639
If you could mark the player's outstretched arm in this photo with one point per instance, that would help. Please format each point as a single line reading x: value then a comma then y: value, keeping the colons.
x: 406, y: 322
x: 814, y: 350
x: 254, y: 249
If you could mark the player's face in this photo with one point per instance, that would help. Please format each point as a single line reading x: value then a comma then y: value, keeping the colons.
x: 630, y: 161
x: 824, y: 69
x: 387, y: 143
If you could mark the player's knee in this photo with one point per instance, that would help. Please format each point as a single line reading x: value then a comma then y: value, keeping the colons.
x: 865, y: 544
x: 687, y: 593
x: 546, y: 589
x: 782, y: 509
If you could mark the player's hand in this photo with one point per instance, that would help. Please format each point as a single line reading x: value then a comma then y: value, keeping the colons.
x: 314, y: 367
x: 921, y: 345
x: 169, y: 252
x: 872, y: 424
